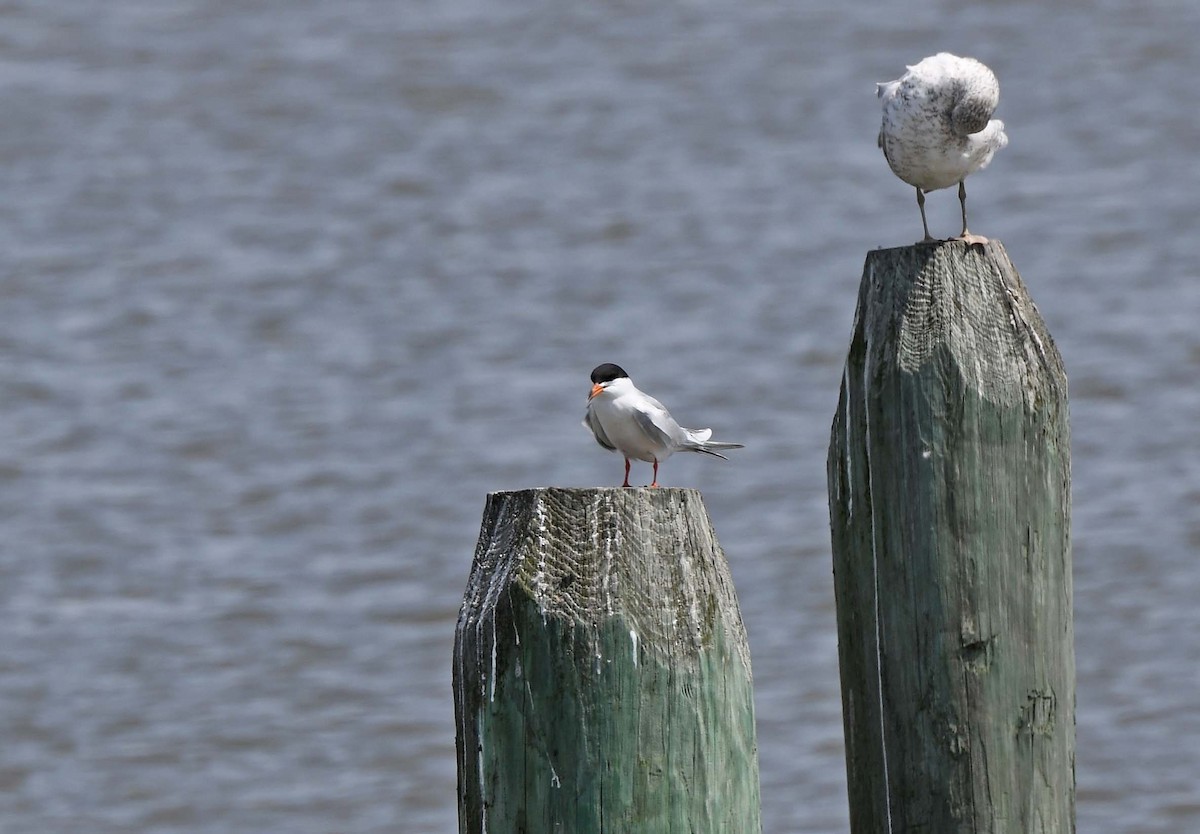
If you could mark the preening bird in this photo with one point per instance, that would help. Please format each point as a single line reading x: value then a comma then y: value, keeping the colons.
x: 938, y: 126
x: 626, y: 420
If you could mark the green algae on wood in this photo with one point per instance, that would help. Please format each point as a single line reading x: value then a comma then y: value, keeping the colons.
x: 601, y: 670
x: 949, y: 495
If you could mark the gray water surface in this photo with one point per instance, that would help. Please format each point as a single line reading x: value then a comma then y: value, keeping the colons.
x: 287, y: 288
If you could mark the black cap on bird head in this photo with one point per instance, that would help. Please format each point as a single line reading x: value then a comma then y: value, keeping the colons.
x: 607, y: 373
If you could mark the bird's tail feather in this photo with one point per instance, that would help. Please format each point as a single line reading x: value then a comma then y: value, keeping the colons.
x: 704, y: 451
x: 886, y: 89
x: 700, y: 443
x: 701, y: 438
x: 715, y: 444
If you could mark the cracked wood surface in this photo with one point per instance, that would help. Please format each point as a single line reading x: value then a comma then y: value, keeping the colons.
x: 601, y: 670
x: 949, y: 495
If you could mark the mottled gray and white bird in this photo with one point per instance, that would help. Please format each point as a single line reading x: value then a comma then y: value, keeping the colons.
x: 626, y: 420
x: 938, y: 126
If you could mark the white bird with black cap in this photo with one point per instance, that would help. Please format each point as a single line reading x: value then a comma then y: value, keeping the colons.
x: 626, y: 420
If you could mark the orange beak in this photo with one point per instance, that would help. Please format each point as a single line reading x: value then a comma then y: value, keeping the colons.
x: 596, y: 389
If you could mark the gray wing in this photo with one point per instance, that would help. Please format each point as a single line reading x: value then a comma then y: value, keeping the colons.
x: 598, y: 432
x: 657, y: 425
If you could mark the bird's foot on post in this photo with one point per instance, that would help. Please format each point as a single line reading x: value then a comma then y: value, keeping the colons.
x: 654, y: 482
x: 626, y: 473
x: 966, y: 236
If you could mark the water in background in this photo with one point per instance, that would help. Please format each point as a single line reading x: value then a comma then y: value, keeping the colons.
x: 288, y: 287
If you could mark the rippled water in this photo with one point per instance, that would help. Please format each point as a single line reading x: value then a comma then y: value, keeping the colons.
x: 288, y: 288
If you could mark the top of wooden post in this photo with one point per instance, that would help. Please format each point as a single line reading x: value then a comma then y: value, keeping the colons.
x: 968, y: 300
x: 648, y: 555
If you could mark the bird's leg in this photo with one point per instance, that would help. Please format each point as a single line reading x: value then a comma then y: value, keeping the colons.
x: 626, y: 473
x: 654, y: 482
x: 921, y: 206
x: 962, y: 201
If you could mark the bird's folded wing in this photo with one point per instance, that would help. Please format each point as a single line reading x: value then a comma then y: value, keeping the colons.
x: 597, y: 431
x: 646, y: 422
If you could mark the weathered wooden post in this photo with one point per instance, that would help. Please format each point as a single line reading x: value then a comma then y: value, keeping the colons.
x: 949, y: 497
x: 601, y: 670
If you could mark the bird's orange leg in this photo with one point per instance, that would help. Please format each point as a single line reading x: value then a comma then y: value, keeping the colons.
x: 654, y: 482
x: 626, y: 473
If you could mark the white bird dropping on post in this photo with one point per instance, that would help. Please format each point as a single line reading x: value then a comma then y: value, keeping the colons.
x: 938, y: 126
x: 625, y: 420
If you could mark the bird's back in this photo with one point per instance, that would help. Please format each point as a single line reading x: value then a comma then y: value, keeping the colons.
x: 937, y: 126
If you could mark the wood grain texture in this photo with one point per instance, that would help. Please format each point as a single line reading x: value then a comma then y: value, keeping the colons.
x: 601, y: 670
x: 949, y: 496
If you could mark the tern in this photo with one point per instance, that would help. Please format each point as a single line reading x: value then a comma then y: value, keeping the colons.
x: 626, y: 420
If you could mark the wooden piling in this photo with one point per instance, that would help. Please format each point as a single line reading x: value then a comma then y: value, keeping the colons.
x: 601, y: 671
x: 949, y: 497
